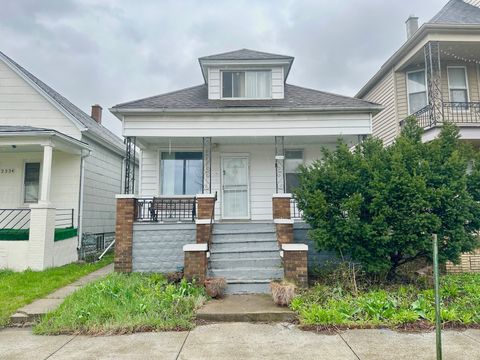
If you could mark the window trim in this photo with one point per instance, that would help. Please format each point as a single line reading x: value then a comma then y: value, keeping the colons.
x: 408, y: 91
x: 466, y: 81
x: 24, y: 173
x: 244, y: 98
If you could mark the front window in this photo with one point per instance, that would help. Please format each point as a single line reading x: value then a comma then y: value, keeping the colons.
x: 246, y: 84
x: 31, y: 183
x: 417, y: 91
x: 181, y: 173
x: 457, y: 84
x: 293, y: 159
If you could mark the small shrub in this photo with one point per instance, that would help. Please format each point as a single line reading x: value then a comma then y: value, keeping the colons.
x: 283, y: 292
x: 215, y: 287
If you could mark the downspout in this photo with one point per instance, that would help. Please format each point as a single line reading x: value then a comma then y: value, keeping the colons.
x: 80, y: 198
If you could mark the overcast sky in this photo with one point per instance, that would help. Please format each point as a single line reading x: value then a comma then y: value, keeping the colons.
x: 108, y: 52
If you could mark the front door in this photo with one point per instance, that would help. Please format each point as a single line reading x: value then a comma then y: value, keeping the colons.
x: 235, y: 187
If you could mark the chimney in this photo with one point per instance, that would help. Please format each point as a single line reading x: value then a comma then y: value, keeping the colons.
x: 412, y: 25
x: 97, y: 113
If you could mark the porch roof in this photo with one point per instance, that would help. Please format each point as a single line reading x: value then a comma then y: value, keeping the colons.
x: 28, y: 136
x: 296, y: 98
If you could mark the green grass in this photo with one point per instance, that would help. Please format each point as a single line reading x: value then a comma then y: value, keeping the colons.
x: 125, y: 303
x: 399, y: 305
x: 20, y: 288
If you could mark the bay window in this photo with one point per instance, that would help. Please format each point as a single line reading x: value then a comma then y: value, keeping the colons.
x: 417, y: 90
x: 247, y: 84
x: 181, y: 173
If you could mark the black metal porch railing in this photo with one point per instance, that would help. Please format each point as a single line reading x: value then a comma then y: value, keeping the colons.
x: 14, y: 219
x: 295, y: 212
x: 462, y: 113
x: 64, y: 218
x: 161, y: 209
x: 92, y: 245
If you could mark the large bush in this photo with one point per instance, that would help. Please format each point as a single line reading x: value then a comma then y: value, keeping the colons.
x: 380, y: 205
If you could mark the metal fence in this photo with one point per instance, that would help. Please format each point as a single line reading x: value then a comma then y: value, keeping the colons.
x: 93, y: 245
x: 295, y: 212
x: 163, y: 209
x: 64, y: 218
x: 14, y: 219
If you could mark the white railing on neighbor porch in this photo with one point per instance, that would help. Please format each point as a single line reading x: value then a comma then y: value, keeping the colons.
x: 14, y: 219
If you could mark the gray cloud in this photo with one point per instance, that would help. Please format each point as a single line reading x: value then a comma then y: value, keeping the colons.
x: 110, y: 51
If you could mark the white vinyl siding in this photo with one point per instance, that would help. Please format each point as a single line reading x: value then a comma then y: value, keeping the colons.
x: 21, y: 104
x: 385, y: 123
x: 102, y: 181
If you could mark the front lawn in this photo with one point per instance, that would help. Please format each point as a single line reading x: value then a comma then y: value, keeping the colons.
x: 125, y: 303
x: 20, y: 288
x: 391, y: 306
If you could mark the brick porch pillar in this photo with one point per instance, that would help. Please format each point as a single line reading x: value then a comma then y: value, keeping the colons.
x: 195, y: 266
x: 282, y: 217
x: 205, y: 209
x: 124, y: 232
x: 295, y: 263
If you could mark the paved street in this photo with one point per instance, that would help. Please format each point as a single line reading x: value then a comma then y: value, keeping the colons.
x: 241, y: 341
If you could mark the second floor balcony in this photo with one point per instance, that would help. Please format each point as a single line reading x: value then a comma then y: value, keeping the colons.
x: 459, y: 113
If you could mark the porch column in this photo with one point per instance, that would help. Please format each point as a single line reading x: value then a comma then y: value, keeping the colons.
x: 46, y: 174
x: 207, y: 165
x: 130, y: 153
x: 433, y: 73
x: 279, y: 164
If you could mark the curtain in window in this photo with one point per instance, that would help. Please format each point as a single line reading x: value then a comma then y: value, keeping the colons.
x: 417, y: 91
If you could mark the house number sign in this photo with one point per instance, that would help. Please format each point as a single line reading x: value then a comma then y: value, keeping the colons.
x: 5, y: 171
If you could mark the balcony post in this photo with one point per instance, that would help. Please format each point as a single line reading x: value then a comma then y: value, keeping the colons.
x: 280, y: 164
x: 207, y: 165
x: 433, y: 74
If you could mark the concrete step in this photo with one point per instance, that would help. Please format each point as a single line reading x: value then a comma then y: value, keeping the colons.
x: 244, y: 246
x: 243, y: 254
x: 253, y: 286
x: 243, y: 273
x: 244, y: 237
x: 244, y: 228
x: 245, y: 308
x: 247, y: 262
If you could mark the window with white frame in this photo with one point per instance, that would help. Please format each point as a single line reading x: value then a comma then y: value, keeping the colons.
x: 293, y: 159
x: 31, y: 183
x: 457, y: 84
x: 247, y: 84
x: 417, y: 90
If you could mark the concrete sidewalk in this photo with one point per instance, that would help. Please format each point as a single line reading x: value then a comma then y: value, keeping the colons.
x: 31, y: 312
x: 241, y: 341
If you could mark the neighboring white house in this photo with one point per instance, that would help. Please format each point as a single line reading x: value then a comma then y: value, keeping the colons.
x: 59, y: 172
x: 241, y: 134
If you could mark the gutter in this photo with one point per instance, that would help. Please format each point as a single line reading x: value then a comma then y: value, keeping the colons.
x: 425, y: 29
x: 80, y: 199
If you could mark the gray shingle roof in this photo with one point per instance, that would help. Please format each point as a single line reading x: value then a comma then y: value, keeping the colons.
x: 457, y: 12
x: 196, y: 97
x: 245, y: 54
x: 91, y: 125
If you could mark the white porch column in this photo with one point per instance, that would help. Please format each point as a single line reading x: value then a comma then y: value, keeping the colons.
x: 46, y: 175
x: 279, y: 164
x: 41, y: 238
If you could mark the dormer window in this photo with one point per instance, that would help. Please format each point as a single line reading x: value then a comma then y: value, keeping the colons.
x: 247, y: 84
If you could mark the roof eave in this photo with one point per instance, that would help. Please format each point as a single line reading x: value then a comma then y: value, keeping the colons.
x: 408, y: 45
x: 48, y: 133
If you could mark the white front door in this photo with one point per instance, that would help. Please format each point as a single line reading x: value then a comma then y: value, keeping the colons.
x: 235, y: 187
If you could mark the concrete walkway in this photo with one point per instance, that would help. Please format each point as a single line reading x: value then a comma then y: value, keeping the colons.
x: 31, y: 312
x: 241, y: 341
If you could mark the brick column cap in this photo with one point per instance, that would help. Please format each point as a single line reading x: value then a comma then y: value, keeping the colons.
x: 203, y: 221
x: 284, y: 195
x: 294, y: 247
x: 125, y: 196
x: 283, y: 221
x: 195, y: 247
x: 199, y: 196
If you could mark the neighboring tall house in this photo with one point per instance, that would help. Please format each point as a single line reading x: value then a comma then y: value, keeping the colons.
x: 59, y: 172
x: 240, y: 135
x: 434, y: 76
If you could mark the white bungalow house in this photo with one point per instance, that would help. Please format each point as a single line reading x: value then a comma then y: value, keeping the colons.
x: 59, y: 172
x: 240, y: 135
